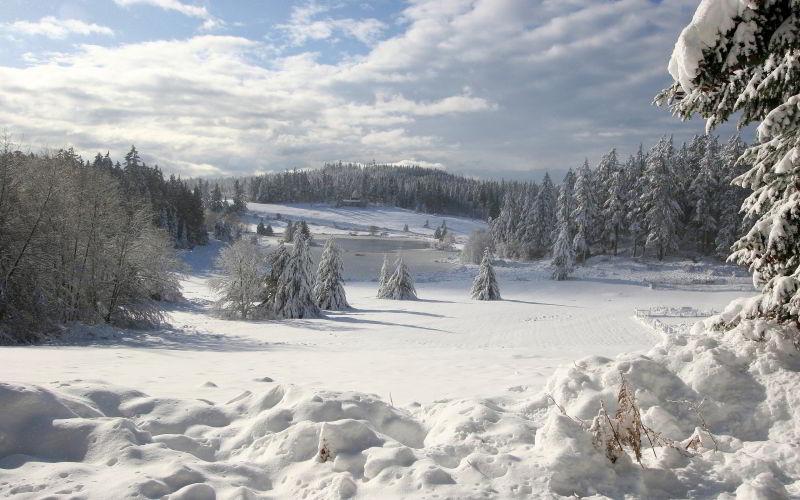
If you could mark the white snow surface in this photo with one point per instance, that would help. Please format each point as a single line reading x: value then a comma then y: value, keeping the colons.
x: 451, y: 393
x: 328, y: 219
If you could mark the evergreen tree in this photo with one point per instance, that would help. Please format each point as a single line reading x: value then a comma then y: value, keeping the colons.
x: 731, y: 226
x: 484, y: 287
x: 563, y: 254
x: 268, y: 231
x: 304, y: 230
x: 329, y: 288
x: 288, y: 234
x: 603, y: 177
x: 276, y: 263
x: 585, y: 212
x: 383, y: 278
x: 605, y: 171
x: 663, y: 212
x: 704, y: 190
x: 261, y: 229
x: 239, y: 203
x: 636, y: 183
x: 293, y: 297
x: 400, y: 285
x: 545, y: 214
x: 614, y: 210
x: 217, y: 202
x: 753, y: 80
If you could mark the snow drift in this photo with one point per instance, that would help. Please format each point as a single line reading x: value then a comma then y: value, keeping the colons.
x: 726, y: 403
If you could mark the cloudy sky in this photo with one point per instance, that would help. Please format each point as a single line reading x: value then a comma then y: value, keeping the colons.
x: 482, y: 87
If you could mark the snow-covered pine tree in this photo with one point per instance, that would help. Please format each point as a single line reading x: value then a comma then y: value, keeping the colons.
x: 545, y: 214
x: 602, y: 179
x: 405, y: 228
x: 304, y: 230
x: 743, y: 60
x: 288, y: 233
x: 635, y: 182
x: 731, y: 226
x: 663, y: 212
x: 268, y: 231
x: 614, y: 210
x: 563, y: 254
x: 217, y: 203
x: 261, y: 229
x: 239, y: 203
x: 329, y: 288
x: 524, y: 241
x: 484, y: 287
x: 293, y: 297
x: 703, y: 193
x: 276, y: 263
x: 400, y: 285
x: 585, y: 212
x: 383, y: 277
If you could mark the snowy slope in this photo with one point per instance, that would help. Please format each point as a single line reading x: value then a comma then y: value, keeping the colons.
x: 329, y: 219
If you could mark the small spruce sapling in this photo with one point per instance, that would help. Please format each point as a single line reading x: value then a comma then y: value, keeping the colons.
x: 400, y: 285
x: 329, y: 289
x: 485, y: 285
x: 383, y: 278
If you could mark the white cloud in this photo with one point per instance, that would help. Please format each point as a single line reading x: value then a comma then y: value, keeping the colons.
x: 473, y: 84
x: 204, y: 102
x: 52, y: 27
x: 303, y: 26
x: 197, y: 11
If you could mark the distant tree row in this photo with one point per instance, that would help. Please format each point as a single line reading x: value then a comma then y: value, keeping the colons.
x: 174, y: 206
x: 87, y: 241
x: 659, y: 202
x: 422, y: 189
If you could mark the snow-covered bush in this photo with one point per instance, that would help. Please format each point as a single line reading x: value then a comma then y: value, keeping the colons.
x: 241, y: 281
x: 476, y: 245
x: 76, y: 246
x: 484, y: 287
x: 446, y: 242
x: 329, y: 288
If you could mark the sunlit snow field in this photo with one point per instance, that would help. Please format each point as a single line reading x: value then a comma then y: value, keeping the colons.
x: 444, y: 345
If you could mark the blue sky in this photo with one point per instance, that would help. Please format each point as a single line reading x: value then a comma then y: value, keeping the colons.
x: 483, y: 87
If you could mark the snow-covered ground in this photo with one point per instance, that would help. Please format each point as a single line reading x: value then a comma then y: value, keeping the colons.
x: 449, y: 398
x: 344, y: 220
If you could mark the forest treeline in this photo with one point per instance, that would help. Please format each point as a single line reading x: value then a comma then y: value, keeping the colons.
x: 425, y: 190
x: 664, y: 200
x: 90, y: 241
x: 659, y: 201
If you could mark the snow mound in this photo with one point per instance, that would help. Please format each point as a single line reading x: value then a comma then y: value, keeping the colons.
x: 724, y: 406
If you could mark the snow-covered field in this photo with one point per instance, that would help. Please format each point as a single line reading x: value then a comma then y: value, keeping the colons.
x: 449, y: 398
